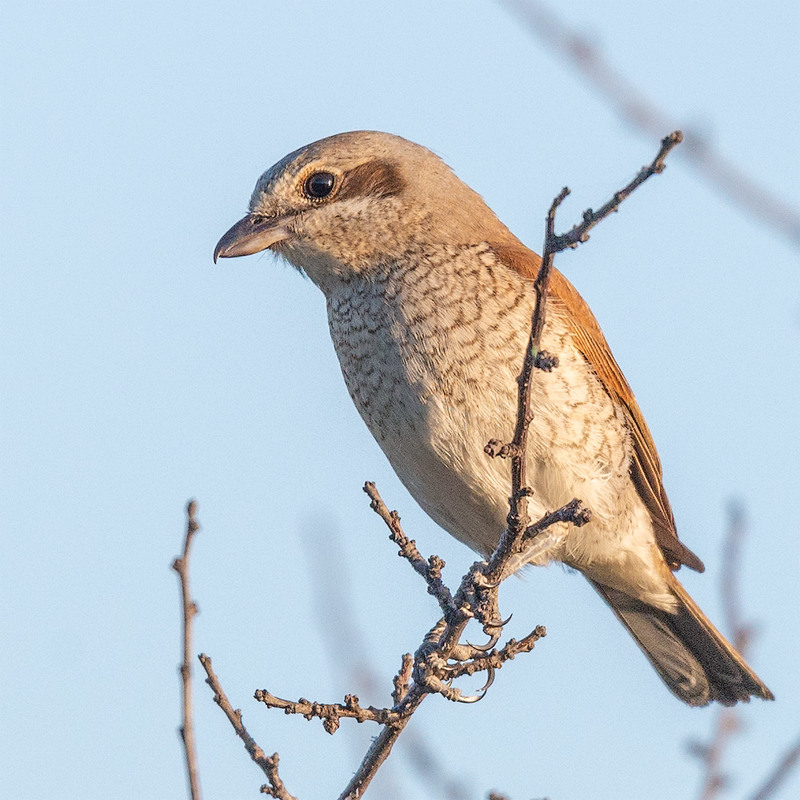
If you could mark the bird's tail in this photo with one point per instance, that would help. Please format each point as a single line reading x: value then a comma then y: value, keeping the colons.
x: 692, y: 657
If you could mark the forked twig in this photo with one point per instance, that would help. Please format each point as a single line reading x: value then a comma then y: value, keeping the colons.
x: 535, y: 358
x: 580, y: 233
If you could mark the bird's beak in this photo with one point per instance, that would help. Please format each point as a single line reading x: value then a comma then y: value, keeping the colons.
x: 252, y: 234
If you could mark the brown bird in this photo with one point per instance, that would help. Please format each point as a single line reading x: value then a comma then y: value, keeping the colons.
x: 429, y: 300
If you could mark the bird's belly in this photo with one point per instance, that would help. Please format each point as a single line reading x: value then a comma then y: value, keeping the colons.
x: 434, y: 445
x: 441, y: 460
x: 433, y: 413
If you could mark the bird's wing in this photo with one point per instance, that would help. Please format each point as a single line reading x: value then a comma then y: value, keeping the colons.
x: 645, y: 467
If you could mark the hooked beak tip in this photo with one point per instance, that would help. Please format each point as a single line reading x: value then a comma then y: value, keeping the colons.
x: 250, y: 235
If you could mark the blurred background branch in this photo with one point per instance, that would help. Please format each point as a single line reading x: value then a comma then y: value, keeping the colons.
x: 717, y: 782
x: 644, y: 116
x: 779, y: 774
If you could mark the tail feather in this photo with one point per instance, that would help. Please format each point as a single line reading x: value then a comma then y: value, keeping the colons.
x: 692, y: 657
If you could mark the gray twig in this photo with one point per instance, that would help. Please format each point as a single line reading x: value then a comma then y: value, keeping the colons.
x: 268, y: 764
x: 181, y: 566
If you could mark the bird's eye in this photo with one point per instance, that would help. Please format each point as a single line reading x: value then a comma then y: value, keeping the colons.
x: 319, y: 185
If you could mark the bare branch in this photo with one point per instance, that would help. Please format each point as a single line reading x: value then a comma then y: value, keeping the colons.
x: 517, y: 533
x: 728, y: 723
x: 380, y: 748
x: 580, y: 233
x: 181, y: 566
x: 430, y: 570
x: 329, y: 713
x: 337, y: 622
x: 268, y: 764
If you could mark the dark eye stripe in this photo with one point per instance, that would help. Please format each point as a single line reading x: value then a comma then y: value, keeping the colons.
x: 376, y: 178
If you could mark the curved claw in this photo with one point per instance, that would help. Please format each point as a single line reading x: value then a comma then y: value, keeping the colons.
x: 499, y: 625
x: 470, y: 698
x: 490, y: 671
x: 489, y: 681
x: 484, y: 648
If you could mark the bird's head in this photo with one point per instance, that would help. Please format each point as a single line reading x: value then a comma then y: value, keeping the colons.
x: 340, y: 206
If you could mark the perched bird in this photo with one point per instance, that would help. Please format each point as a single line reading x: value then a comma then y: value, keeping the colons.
x: 429, y: 300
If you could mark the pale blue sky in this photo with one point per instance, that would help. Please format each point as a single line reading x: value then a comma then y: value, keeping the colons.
x: 136, y: 374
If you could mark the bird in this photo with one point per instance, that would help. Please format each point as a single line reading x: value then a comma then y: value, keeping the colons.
x: 429, y: 299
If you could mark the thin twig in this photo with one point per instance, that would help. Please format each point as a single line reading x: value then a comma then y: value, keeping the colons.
x: 580, y: 233
x: 181, y: 566
x: 268, y: 764
x: 329, y: 713
x: 518, y: 519
x: 381, y: 747
x: 535, y: 358
x: 430, y: 570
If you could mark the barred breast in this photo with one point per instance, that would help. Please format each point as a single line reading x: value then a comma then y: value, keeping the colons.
x: 430, y: 354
